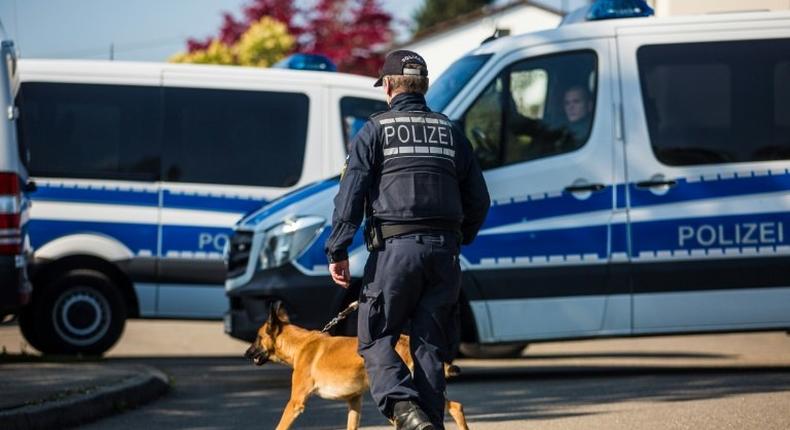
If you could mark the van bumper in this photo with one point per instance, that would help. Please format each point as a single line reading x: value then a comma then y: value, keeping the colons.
x: 15, y: 288
x: 311, y: 301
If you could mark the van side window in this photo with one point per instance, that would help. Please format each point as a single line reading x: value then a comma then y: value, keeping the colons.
x: 535, y: 108
x: 354, y: 113
x: 90, y: 131
x: 234, y: 137
x: 717, y: 102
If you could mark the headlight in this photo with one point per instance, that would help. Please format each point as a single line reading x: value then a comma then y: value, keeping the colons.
x: 286, y: 241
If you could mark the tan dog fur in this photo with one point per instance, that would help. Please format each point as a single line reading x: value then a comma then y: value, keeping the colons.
x: 328, y: 366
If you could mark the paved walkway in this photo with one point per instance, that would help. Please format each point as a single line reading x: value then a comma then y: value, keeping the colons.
x: 42, y: 395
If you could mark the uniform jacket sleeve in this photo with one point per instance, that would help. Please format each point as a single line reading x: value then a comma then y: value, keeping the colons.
x: 474, y: 193
x: 350, y: 200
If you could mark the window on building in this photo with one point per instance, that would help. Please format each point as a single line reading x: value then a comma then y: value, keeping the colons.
x: 717, y: 102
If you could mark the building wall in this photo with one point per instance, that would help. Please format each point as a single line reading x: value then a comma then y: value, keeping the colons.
x: 688, y: 7
x: 442, y: 49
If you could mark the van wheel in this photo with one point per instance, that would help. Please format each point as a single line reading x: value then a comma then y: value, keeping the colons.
x: 476, y: 350
x: 80, y: 312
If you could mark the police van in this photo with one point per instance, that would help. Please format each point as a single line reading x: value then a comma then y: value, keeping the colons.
x: 640, y: 184
x: 142, y: 171
x: 15, y: 287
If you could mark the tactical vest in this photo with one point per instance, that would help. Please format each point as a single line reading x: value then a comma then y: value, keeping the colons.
x: 418, y: 177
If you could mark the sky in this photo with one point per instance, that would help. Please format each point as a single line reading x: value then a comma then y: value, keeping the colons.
x: 137, y: 30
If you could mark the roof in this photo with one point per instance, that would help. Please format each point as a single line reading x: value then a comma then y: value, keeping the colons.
x: 624, y: 26
x: 477, y: 15
x: 48, y: 68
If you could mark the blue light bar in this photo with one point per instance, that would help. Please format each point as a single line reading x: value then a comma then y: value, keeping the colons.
x: 612, y: 9
x: 307, y: 62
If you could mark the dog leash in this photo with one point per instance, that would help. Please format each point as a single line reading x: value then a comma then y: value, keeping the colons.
x: 341, y: 316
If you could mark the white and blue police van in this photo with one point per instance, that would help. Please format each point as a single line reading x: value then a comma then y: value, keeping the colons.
x: 142, y: 171
x: 639, y: 171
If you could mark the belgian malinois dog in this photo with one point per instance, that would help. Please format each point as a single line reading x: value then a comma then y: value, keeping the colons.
x: 328, y: 366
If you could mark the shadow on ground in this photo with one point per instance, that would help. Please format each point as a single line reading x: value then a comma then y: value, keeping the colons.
x: 228, y: 393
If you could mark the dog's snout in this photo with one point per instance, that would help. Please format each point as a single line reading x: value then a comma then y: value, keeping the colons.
x: 256, y: 354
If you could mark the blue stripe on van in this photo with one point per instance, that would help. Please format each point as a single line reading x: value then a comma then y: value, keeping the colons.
x: 705, y: 189
x: 649, y: 236
x: 620, y: 190
x: 213, y: 203
x: 287, y: 200
x: 619, y: 244
x: 180, y: 239
x: 547, y: 207
x: 730, y: 231
x: 539, y: 244
x: 136, y: 237
x: 315, y: 256
x: 97, y: 194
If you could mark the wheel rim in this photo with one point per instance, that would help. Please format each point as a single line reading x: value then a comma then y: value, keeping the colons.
x: 81, y: 316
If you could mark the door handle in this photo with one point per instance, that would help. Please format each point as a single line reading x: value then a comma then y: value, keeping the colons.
x: 584, y: 188
x: 657, y: 183
x: 30, y: 187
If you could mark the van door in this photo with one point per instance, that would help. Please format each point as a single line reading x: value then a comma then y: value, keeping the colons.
x: 708, y: 152
x: 230, y: 144
x: 541, y: 128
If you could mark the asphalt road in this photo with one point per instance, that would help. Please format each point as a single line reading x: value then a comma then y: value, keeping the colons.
x: 735, y: 381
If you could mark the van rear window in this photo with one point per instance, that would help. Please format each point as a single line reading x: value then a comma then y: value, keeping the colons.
x: 234, y: 137
x: 717, y: 102
x: 90, y: 131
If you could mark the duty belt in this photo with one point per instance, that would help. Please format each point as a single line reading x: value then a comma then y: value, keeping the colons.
x: 391, y: 230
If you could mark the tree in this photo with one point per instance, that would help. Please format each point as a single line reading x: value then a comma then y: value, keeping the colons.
x: 215, y: 53
x: 353, y: 33
x: 433, y: 12
x: 264, y: 43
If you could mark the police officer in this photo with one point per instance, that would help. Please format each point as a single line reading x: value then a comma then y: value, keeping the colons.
x: 414, y: 176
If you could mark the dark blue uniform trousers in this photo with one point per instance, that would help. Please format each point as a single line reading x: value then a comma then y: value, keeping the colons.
x: 413, y: 284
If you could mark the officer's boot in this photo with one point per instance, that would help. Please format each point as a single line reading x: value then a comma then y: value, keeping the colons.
x: 409, y: 416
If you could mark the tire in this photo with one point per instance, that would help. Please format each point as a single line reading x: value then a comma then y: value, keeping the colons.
x: 81, y: 312
x: 476, y: 350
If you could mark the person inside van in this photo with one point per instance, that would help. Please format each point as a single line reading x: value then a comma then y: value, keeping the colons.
x: 536, y: 138
x: 578, y: 107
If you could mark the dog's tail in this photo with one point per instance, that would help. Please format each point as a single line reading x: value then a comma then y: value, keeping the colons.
x: 451, y: 370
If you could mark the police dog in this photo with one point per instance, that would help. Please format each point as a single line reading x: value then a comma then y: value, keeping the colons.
x: 328, y: 366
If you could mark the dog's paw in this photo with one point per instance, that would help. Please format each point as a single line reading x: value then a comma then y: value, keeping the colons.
x: 451, y: 370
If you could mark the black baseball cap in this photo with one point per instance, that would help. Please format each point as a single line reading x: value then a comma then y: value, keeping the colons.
x: 395, y: 64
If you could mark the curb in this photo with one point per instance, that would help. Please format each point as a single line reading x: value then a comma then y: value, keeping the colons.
x: 79, y: 409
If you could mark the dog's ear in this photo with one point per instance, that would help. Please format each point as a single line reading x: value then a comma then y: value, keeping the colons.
x: 280, y: 313
x: 271, y: 321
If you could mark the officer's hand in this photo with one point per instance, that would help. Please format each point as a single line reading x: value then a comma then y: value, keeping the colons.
x: 340, y: 274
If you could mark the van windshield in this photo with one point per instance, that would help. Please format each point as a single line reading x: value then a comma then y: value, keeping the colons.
x: 450, y: 83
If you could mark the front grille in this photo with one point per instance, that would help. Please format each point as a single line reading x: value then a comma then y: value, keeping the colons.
x: 239, y: 253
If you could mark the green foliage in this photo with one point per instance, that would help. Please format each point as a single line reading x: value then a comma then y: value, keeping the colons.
x: 262, y: 44
x: 433, y: 12
x: 216, y: 53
